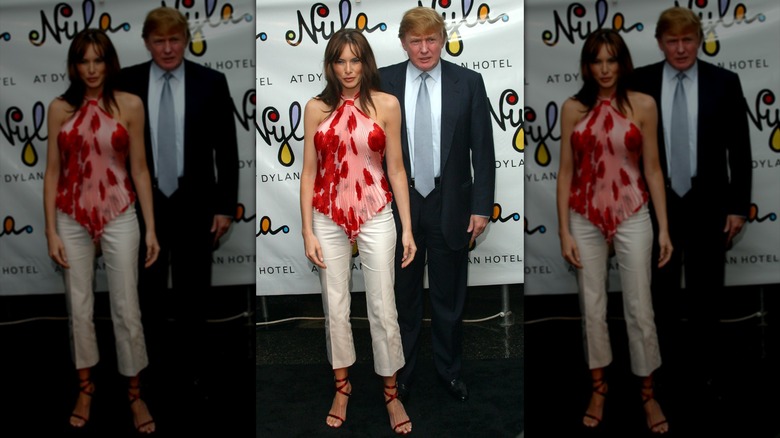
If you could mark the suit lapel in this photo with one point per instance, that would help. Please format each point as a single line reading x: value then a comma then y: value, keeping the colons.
x: 397, y: 87
x: 656, y: 76
x: 142, y: 81
x: 706, y: 105
x: 190, y: 95
x: 450, y: 101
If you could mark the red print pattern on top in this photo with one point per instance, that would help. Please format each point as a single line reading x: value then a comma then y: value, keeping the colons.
x: 94, y: 186
x: 350, y: 149
x: 607, y: 186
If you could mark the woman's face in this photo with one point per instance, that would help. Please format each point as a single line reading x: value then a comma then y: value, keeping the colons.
x: 348, y: 68
x: 605, y: 68
x: 92, y: 69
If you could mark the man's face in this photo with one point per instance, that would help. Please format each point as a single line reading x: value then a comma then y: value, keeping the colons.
x: 424, y: 50
x: 680, y: 48
x: 167, y: 49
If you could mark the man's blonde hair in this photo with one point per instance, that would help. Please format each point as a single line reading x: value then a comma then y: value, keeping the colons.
x: 165, y: 20
x: 422, y: 21
x: 678, y: 20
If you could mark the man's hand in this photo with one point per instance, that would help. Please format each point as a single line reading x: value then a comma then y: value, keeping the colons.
x: 734, y: 224
x: 220, y: 226
x: 477, y: 225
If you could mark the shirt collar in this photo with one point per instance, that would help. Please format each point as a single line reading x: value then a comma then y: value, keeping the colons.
x: 414, y: 72
x: 670, y: 72
x: 177, y: 73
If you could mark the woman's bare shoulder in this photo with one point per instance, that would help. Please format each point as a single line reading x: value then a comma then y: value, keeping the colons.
x: 128, y: 101
x: 573, y: 110
x: 316, y: 103
x: 59, y: 104
x: 572, y: 104
x: 641, y: 101
x: 59, y: 109
x: 385, y: 99
x: 316, y: 110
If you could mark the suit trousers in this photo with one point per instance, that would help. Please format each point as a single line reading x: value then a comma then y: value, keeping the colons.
x: 696, y: 224
x: 185, y: 253
x: 119, y: 244
x: 447, y: 279
x: 633, y: 246
x: 376, y: 243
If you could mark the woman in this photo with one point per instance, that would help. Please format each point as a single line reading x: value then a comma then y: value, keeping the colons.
x: 602, y: 204
x: 348, y: 129
x: 89, y: 205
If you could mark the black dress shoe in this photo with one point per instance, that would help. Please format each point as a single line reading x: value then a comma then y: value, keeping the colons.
x: 403, y: 392
x: 458, y: 389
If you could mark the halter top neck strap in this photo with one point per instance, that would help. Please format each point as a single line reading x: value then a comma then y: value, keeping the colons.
x: 606, y: 100
x: 93, y: 100
x: 350, y: 101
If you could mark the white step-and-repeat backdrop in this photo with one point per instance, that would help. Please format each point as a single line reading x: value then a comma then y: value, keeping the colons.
x: 484, y: 35
x: 741, y: 36
x: 34, y: 40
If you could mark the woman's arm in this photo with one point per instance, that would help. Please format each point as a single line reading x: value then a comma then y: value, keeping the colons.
x: 57, y: 115
x: 397, y: 174
x: 647, y: 116
x: 312, y: 117
x: 570, y: 114
x: 133, y: 112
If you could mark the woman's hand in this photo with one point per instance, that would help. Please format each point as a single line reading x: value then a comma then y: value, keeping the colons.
x: 665, y: 244
x: 57, y: 250
x: 410, y: 249
x: 569, y: 250
x: 313, y: 250
x: 152, y: 248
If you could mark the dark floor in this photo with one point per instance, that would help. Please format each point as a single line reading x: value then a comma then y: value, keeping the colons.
x: 743, y: 402
x: 39, y: 386
x: 39, y: 383
x: 493, y: 369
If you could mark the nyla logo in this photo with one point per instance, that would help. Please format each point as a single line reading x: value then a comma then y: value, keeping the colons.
x: 271, y: 133
x: 724, y: 16
x: 64, y: 22
x: 10, y: 228
x: 319, y: 23
x: 755, y: 215
x: 201, y: 19
x: 498, y: 215
x: 267, y: 228
x: 578, y: 22
x: 456, y: 19
x: 242, y: 216
x: 15, y: 129
x: 506, y: 113
x: 762, y: 113
x: 542, y: 134
x: 533, y: 230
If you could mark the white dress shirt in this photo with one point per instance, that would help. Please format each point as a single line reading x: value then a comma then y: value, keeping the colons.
x: 691, y: 86
x: 413, y: 82
x: 156, y: 83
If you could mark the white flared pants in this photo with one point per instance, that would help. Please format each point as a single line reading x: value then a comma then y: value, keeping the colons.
x: 119, y: 244
x: 376, y: 244
x: 633, y: 244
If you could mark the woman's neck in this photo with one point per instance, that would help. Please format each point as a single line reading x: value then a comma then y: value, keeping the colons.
x: 349, y: 94
x: 93, y: 93
x: 606, y: 93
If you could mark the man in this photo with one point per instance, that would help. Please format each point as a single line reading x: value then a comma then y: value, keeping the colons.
x: 446, y: 132
x: 704, y: 148
x: 190, y: 130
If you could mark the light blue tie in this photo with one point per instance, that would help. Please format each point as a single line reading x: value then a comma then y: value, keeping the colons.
x: 167, y: 168
x: 423, y: 137
x: 680, y: 148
